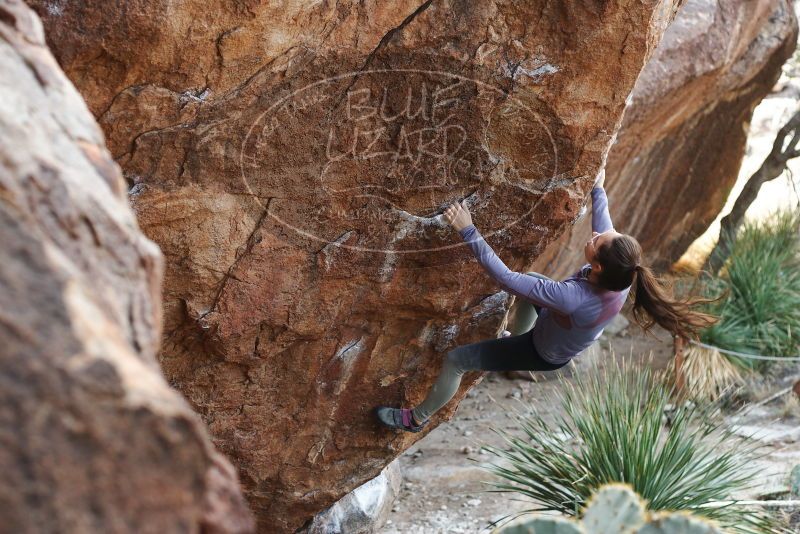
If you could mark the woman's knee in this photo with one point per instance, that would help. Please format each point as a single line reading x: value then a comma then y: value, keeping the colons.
x: 455, y: 359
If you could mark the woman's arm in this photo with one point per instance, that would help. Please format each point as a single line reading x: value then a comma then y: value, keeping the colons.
x: 601, y: 220
x: 564, y: 297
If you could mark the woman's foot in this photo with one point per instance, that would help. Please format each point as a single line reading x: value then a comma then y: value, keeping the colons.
x: 401, y: 418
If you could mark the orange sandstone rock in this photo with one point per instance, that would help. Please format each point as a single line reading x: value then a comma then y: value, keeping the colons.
x: 93, y: 438
x: 293, y: 161
x: 684, y: 133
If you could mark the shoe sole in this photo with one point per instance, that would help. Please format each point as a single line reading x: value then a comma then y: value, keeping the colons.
x: 384, y: 415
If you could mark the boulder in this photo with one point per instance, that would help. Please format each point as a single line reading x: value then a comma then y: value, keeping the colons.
x: 293, y: 162
x: 362, y: 511
x: 93, y: 438
x: 683, y: 136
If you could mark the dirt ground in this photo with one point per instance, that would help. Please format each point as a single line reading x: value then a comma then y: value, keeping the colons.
x: 444, y: 491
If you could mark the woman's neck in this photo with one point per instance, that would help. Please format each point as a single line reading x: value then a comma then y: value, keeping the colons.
x: 593, y: 278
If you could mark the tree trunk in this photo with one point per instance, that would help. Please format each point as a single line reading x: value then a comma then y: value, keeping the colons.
x: 773, y: 167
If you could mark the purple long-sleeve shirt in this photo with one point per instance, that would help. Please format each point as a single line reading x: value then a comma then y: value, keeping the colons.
x: 574, y: 311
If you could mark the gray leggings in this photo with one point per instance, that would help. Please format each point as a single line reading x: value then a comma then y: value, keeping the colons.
x: 513, y: 353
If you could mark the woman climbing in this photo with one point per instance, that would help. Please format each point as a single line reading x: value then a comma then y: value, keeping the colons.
x: 569, y: 315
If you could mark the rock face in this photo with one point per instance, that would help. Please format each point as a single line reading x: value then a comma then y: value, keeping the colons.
x: 293, y: 162
x: 93, y: 438
x: 684, y: 133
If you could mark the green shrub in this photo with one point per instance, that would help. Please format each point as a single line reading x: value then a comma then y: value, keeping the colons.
x: 612, y: 429
x: 761, y: 313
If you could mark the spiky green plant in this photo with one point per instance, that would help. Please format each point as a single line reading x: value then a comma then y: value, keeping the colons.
x: 612, y: 429
x: 761, y: 313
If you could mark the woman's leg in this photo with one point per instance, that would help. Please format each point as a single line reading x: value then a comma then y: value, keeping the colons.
x: 525, y: 313
x: 515, y: 353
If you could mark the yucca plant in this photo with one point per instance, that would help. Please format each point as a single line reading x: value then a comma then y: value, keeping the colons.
x: 707, y: 373
x: 613, y: 428
x: 761, y: 313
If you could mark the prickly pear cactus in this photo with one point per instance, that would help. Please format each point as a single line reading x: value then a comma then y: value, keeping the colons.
x: 614, y: 508
x: 677, y: 523
x: 542, y: 525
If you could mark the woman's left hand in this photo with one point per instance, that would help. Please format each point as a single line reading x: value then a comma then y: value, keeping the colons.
x: 601, y: 178
x: 458, y: 216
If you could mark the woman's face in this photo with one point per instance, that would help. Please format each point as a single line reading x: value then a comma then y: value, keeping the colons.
x: 594, y: 244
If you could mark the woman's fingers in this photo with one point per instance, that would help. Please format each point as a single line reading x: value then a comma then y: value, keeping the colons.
x: 452, y: 211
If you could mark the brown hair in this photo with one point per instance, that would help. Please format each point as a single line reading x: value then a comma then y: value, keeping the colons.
x: 653, y: 301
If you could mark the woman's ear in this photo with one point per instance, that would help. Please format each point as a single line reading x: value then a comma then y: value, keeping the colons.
x: 596, y: 267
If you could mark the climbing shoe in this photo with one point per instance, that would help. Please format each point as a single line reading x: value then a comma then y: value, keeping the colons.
x: 506, y: 333
x: 398, y: 418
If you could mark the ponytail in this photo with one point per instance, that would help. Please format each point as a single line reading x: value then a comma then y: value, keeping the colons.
x: 652, y: 297
x: 653, y: 304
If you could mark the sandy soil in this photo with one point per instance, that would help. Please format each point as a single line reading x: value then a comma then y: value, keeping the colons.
x: 444, y: 488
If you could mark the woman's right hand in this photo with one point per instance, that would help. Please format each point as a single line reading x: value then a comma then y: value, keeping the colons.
x: 601, y: 178
x: 457, y: 214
